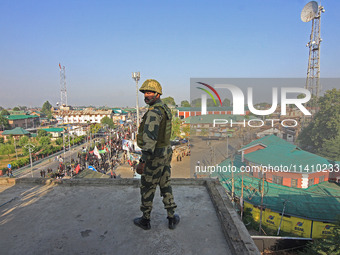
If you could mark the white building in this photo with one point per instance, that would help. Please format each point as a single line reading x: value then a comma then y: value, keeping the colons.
x: 88, y: 115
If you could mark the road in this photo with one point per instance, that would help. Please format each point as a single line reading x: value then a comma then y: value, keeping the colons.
x: 49, y: 162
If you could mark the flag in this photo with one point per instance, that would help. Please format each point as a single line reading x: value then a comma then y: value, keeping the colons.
x: 76, y: 170
x: 96, y: 152
x: 59, y: 66
x: 92, y: 168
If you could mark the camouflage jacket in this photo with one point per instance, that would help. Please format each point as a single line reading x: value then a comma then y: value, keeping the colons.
x: 149, y: 130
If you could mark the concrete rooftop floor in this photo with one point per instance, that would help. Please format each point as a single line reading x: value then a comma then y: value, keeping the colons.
x: 96, y: 217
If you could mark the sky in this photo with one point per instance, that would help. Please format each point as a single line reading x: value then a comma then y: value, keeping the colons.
x: 101, y: 43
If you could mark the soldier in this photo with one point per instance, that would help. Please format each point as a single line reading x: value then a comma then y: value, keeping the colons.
x: 154, y: 139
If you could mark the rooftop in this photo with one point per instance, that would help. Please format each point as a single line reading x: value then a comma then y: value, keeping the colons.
x: 278, y: 152
x: 209, y: 118
x: 16, y: 131
x: 20, y: 117
x: 94, y: 216
x: 53, y: 129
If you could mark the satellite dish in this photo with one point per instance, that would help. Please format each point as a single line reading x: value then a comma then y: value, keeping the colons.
x: 309, y: 12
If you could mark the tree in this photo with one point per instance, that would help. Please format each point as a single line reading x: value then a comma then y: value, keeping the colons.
x: 46, y: 108
x: 186, y: 130
x: 4, y: 112
x: 196, y: 102
x: 176, y: 128
x: 226, y: 102
x: 330, y: 148
x: 16, y: 108
x: 6, y: 149
x: 43, y: 141
x: 169, y: 100
x: 210, y: 103
x: 23, y: 140
x: 42, y: 133
x: 95, y: 128
x: 4, y: 123
x: 108, y: 121
x: 331, y: 245
x: 185, y: 103
x: 325, y: 125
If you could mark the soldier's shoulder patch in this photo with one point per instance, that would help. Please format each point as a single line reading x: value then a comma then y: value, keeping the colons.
x: 151, y: 108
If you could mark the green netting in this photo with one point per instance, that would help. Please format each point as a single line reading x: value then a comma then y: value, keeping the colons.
x: 319, y: 202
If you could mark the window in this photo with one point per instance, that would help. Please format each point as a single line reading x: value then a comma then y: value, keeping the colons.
x: 321, y: 178
x: 294, y: 183
x: 310, y: 182
x: 277, y: 179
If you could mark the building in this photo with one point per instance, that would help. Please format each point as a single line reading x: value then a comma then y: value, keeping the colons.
x: 17, y: 133
x: 185, y: 112
x: 23, y: 121
x: 56, y: 132
x: 284, y: 163
x: 88, y: 115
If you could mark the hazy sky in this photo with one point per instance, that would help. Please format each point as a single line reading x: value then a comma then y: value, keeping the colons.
x: 101, y: 42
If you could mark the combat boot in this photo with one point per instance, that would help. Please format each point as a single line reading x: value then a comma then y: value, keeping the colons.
x: 173, y: 221
x: 142, y: 223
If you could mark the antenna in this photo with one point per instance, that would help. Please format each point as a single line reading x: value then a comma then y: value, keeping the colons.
x: 312, y: 12
x: 309, y: 12
x: 63, y: 91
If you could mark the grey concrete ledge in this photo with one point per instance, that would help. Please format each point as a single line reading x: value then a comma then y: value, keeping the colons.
x: 97, y: 181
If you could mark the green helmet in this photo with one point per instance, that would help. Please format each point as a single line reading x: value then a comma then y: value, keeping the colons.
x: 151, y: 85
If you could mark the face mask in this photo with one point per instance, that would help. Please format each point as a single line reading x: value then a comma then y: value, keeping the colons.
x: 150, y: 99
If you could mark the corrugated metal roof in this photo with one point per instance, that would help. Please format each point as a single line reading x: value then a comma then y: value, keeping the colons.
x: 20, y: 117
x: 53, y: 129
x: 209, y: 118
x: 280, y: 152
x: 16, y: 131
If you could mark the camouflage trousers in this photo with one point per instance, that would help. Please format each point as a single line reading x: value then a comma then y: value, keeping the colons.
x: 157, y: 172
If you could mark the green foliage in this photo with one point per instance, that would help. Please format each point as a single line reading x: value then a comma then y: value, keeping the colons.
x: 107, y: 121
x: 185, y: 103
x: 196, y: 102
x: 325, y: 125
x: 42, y: 133
x: 210, y: 103
x: 327, y: 246
x: 6, y: 149
x: 186, y: 130
x: 44, y: 141
x: 226, y: 102
x: 23, y: 140
x: 176, y: 128
x: 4, y: 112
x: 4, y: 123
x: 331, y: 148
x: 2, y: 140
x: 59, y: 141
x: 95, y: 128
x: 169, y: 100
x: 16, y: 108
x: 46, y: 108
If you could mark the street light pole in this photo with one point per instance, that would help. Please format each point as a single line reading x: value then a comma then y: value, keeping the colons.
x: 136, y: 77
x: 30, y: 147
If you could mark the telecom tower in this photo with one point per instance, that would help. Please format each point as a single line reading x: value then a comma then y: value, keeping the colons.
x: 312, y: 12
x: 63, y: 91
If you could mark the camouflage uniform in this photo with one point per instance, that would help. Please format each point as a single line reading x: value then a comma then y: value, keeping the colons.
x: 154, y: 140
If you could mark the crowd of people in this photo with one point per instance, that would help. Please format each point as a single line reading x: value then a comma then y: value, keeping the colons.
x: 111, y: 155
